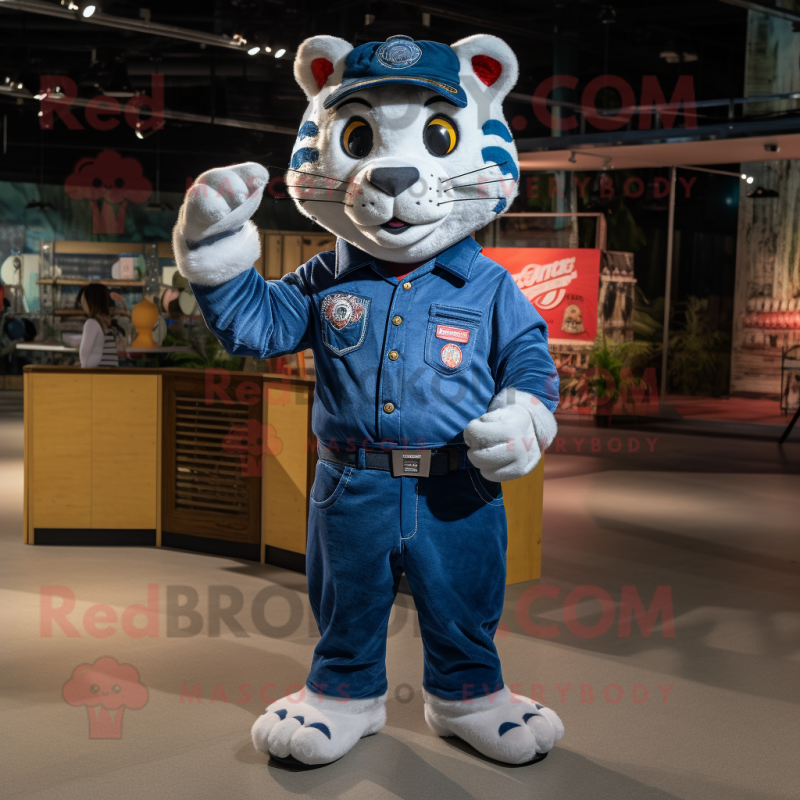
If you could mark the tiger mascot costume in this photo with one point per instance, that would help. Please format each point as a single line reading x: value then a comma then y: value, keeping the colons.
x: 434, y: 381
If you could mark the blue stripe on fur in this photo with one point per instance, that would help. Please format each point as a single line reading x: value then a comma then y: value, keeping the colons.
x: 320, y: 726
x: 305, y: 155
x: 506, y: 165
x: 309, y: 130
x: 506, y: 727
x: 501, y: 205
x: 493, y: 127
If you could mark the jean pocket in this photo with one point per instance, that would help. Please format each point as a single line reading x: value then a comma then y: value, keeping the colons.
x: 489, y: 491
x: 450, y: 339
x: 344, y: 321
x: 330, y: 481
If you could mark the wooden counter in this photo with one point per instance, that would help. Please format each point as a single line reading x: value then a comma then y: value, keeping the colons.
x: 210, y: 461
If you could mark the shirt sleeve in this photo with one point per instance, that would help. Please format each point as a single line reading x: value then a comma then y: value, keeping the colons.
x: 254, y: 317
x: 520, y: 358
x: 92, y: 340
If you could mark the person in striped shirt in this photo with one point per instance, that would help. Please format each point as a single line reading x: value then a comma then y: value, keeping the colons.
x: 99, y: 344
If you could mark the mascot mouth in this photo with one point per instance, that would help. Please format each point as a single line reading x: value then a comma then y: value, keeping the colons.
x: 395, y: 225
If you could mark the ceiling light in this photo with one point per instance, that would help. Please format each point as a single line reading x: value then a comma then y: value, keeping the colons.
x: 281, y: 52
x: 239, y: 39
x: 749, y: 179
x: 87, y: 9
x: 744, y: 177
x: 253, y: 50
x: 140, y: 131
x: 267, y: 49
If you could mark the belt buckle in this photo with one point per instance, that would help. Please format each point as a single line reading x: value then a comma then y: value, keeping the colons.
x: 411, y: 463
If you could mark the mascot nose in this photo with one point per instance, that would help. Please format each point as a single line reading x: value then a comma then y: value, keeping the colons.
x: 393, y: 180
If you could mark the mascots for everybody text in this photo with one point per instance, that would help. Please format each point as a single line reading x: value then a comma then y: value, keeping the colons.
x: 434, y: 382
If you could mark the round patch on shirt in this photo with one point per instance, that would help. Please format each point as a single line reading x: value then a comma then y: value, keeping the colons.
x: 342, y: 309
x: 451, y: 355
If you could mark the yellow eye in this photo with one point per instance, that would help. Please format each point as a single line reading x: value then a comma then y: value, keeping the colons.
x: 357, y: 138
x: 440, y: 136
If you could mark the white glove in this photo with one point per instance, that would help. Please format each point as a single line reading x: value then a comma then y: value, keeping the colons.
x: 219, y: 205
x: 508, y: 440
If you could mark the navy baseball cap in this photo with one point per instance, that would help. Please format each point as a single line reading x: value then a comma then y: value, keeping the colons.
x: 400, y: 59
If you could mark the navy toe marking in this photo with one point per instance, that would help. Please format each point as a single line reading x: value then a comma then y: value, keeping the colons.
x: 526, y: 717
x: 320, y: 726
x: 301, y: 720
x: 281, y: 712
x: 506, y: 727
x: 538, y: 705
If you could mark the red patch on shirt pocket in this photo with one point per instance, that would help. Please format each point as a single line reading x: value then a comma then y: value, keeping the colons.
x: 452, y: 334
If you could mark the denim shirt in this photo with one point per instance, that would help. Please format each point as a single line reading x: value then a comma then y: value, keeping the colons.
x: 404, y: 363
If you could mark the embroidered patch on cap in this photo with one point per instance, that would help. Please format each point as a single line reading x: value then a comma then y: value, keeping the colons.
x: 451, y: 355
x: 453, y: 334
x: 341, y: 310
x: 399, y: 53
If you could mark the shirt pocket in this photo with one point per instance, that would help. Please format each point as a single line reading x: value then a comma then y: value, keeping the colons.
x: 344, y: 321
x: 450, y: 339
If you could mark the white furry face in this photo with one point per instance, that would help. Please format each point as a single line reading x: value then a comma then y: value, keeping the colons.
x: 400, y: 172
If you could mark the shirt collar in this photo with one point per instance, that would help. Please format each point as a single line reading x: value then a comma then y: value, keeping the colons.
x: 457, y: 259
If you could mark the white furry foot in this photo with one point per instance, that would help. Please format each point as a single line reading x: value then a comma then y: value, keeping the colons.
x: 314, y: 728
x: 503, y: 726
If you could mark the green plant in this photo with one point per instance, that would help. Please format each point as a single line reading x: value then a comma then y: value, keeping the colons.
x: 612, y: 359
x: 698, y: 353
x: 209, y: 353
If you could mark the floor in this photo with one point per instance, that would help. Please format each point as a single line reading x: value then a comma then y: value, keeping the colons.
x: 699, y: 701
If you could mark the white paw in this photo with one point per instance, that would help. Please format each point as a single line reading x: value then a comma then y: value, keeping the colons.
x: 316, y: 729
x: 505, y: 726
x: 507, y: 441
x: 213, y: 240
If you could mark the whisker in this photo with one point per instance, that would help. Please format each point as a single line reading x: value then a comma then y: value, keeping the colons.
x: 481, y: 183
x: 312, y: 200
x: 317, y: 188
x: 301, y: 172
x: 462, y: 199
x: 485, y: 166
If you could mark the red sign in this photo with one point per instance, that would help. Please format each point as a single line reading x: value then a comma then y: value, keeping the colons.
x: 562, y: 284
x: 454, y: 334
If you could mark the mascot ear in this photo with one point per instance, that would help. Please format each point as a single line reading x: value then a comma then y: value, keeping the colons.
x: 320, y: 63
x: 489, y: 62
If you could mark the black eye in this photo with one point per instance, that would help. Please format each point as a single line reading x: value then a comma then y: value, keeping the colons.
x: 116, y: 688
x: 357, y: 138
x: 97, y: 182
x: 94, y: 688
x: 119, y: 183
x: 441, y: 135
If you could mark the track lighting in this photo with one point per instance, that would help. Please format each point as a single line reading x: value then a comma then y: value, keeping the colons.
x: 280, y: 52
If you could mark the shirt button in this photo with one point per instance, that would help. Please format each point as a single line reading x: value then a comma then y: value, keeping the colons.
x: 393, y: 355
x: 397, y: 320
x: 388, y: 407
x: 407, y: 285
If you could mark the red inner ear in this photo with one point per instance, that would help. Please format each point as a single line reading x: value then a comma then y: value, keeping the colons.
x: 487, y: 69
x: 321, y: 69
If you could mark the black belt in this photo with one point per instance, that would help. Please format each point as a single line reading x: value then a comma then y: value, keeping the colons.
x: 413, y: 463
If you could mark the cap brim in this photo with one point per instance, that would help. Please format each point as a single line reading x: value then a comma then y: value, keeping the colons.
x: 454, y: 94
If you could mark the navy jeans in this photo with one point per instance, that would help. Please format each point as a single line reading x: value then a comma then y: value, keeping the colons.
x: 448, y: 534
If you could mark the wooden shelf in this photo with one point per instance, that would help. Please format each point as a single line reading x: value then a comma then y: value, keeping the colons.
x: 69, y: 312
x: 75, y: 282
